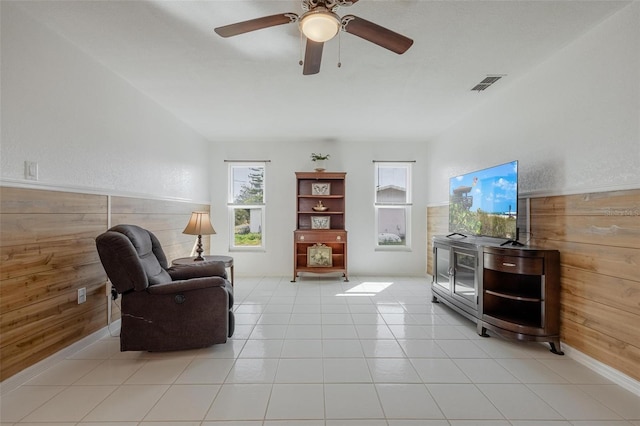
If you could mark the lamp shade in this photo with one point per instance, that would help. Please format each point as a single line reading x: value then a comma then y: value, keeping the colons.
x: 199, y: 224
x: 320, y: 25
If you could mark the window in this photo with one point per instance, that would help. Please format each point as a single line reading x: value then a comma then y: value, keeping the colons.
x: 246, y: 201
x: 393, y: 205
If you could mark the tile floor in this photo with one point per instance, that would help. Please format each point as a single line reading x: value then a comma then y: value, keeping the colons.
x: 371, y: 352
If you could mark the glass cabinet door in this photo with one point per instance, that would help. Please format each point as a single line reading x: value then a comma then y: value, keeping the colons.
x: 442, y: 275
x: 464, y: 267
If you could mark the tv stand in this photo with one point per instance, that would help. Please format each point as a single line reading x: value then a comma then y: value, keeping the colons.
x: 513, y: 292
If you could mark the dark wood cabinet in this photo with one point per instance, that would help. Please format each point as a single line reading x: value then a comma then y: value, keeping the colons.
x: 455, y: 282
x: 521, y: 294
x: 320, y: 238
x: 514, y: 292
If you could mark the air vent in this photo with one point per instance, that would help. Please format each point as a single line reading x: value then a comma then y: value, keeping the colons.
x: 488, y: 81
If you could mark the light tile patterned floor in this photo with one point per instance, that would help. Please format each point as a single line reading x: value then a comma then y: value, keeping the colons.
x: 320, y: 352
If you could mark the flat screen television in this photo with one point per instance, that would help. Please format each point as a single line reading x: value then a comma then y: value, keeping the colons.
x: 485, y: 202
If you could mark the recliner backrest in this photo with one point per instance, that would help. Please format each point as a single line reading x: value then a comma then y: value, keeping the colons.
x: 132, y: 257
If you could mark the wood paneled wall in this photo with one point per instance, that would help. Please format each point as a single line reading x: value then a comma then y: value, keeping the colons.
x: 47, y: 250
x: 437, y: 224
x: 166, y: 219
x: 598, y: 236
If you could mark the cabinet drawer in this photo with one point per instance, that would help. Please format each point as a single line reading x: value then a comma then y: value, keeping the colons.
x: 321, y: 236
x: 514, y: 264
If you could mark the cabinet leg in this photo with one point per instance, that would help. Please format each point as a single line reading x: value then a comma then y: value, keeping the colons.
x: 346, y: 278
x: 434, y: 299
x: 553, y: 349
x: 294, y: 278
x: 482, y: 331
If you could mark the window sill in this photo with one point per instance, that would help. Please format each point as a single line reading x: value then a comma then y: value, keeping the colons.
x: 393, y: 248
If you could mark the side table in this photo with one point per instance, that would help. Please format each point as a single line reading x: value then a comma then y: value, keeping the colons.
x: 227, y: 260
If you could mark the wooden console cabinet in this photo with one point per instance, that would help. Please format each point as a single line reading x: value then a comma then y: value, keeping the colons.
x: 521, y: 294
x: 320, y: 238
x: 455, y: 278
x: 514, y: 292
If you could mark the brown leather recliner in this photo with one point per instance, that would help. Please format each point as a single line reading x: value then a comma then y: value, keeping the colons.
x: 164, y: 308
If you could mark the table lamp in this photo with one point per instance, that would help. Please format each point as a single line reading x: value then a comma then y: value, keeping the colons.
x: 199, y: 224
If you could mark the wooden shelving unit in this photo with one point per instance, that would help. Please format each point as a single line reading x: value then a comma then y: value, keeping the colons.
x: 322, y: 232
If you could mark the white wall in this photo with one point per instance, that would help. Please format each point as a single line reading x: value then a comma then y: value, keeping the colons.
x: 85, y: 126
x: 354, y: 158
x: 573, y: 122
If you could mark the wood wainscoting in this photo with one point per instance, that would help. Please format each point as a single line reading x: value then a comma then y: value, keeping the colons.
x: 47, y: 250
x: 598, y: 236
x: 166, y: 219
x: 437, y: 224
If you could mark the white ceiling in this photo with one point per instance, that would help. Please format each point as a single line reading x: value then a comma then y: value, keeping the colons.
x: 251, y: 87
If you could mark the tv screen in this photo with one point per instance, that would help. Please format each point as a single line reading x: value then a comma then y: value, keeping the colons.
x: 485, y: 202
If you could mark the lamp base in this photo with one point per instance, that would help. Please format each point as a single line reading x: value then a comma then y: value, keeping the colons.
x: 199, y: 250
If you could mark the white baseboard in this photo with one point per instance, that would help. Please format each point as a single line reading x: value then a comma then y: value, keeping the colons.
x: 29, y: 373
x: 610, y: 373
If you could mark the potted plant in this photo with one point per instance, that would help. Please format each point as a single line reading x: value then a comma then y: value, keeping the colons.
x: 319, y: 160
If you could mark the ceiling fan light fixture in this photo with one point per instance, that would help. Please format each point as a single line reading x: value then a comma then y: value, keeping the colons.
x: 320, y: 25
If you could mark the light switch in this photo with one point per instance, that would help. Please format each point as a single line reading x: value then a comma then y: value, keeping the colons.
x: 31, y: 170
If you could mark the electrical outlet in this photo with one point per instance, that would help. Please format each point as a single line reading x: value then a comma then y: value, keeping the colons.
x: 82, y: 295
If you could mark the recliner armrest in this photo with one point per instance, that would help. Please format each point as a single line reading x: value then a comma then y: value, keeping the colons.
x: 197, y: 270
x: 180, y: 286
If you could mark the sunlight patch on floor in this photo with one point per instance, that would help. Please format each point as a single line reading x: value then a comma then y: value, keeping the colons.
x: 366, y: 288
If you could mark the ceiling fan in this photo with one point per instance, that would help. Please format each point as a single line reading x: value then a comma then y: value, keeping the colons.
x: 320, y: 23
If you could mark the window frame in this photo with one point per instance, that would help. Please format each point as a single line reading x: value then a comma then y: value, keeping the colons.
x: 406, y: 205
x: 232, y: 205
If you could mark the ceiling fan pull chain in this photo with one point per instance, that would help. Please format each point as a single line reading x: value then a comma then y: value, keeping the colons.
x: 339, y: 49
x: 301, y: 62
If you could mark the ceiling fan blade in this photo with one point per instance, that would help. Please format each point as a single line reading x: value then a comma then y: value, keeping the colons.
x: 256, y: 24
x: 312, y: 57
x: 376, y: 34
